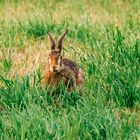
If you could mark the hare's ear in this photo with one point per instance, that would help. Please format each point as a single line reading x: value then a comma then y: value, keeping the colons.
x: 61, y: 40
x: 52, y: 42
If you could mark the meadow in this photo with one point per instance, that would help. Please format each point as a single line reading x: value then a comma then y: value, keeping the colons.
x: 103, y: 38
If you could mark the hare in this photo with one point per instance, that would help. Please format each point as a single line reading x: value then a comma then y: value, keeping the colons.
x: 61, y: 70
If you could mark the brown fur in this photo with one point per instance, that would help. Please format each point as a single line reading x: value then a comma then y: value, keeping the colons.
x: 61, y: 70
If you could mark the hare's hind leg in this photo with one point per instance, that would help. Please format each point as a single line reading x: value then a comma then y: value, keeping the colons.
x: 80, y: 77
x: 80, y: 80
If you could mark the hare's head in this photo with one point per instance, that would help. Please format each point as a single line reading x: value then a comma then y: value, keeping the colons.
x: 55, y: 54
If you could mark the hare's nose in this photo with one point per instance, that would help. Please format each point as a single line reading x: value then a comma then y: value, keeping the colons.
x: 54, y: 68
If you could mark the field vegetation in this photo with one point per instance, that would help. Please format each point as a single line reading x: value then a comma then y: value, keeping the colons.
x: 103, y: 38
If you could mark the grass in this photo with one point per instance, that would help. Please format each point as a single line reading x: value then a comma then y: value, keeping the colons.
x: 103, y: 38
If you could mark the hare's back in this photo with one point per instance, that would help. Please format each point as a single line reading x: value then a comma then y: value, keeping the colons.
x: 69, y: 64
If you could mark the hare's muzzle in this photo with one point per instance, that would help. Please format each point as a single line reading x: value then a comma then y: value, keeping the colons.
x: 54, y: 68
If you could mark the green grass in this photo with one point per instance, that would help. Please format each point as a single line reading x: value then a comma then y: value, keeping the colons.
x: 103, y: 38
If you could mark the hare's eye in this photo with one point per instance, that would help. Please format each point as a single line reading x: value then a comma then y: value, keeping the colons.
x: 49, y: 58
